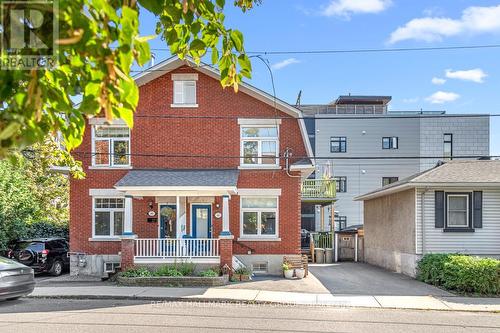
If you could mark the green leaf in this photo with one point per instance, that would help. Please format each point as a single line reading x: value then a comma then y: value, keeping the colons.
x: 154, y: 6
x: 220, y: 3
x: 9, y: 131
x: 197, y: 45
x: 237, y: 39
x: 215, y: 55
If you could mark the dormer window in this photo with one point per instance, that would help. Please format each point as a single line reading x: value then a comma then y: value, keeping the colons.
x: 184, y: 90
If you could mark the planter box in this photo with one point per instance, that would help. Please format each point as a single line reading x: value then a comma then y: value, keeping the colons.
x: 174, y: 281
x: 241, y: 277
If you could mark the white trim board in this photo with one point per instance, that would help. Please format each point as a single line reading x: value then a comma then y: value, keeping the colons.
x: 105, y: 192
x: 259, y: 192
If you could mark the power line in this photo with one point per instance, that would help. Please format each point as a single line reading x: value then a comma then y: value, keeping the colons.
x: 367, y: 50
x: 388, y: 116
x: 283, y: 157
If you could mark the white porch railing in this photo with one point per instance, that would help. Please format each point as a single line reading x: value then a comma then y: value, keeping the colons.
x: 163, y: 248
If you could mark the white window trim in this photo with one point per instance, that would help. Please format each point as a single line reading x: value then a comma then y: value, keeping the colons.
x: 259, y: 164
x: 112, y: 218
x: 466, y: 196
x: 258, y: 236
x: 111, y: 164
x: 259, y: 192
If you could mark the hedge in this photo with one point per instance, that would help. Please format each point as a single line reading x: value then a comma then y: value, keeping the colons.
x: 462, y: 273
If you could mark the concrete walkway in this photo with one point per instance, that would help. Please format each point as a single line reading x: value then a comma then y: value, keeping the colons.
x: 264, y: 296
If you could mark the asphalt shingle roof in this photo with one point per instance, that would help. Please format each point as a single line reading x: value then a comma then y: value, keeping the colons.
x: 452, y: 172
x: 206, y: 177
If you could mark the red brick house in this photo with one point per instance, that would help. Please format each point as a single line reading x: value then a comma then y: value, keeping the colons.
x: 203, y: 176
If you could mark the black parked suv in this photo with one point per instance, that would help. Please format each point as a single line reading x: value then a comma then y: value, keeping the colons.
x: 42, y: 254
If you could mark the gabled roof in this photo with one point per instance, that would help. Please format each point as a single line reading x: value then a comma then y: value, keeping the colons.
x: 174, y: 62
x: 450, y: 174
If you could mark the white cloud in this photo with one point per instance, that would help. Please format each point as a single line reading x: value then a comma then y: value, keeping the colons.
x: 438, y: 80
x: 348, y: 7
x: 441, y: 97
x: 284, y: 63
x: 475, y: 75
x: 474, y: 20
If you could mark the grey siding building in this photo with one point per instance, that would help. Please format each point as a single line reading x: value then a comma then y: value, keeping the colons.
x: 368, y: 146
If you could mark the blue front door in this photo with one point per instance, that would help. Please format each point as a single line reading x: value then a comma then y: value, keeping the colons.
x: 168, y: 221
x: 202, y: 221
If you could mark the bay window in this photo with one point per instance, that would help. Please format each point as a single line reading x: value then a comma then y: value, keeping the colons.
x: 259, y: 217
x: 259, y: 145
x: 108, y: 216
x: 111, y: 146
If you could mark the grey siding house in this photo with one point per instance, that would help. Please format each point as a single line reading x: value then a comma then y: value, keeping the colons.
x: 361, y: 126
x: 452, y: 208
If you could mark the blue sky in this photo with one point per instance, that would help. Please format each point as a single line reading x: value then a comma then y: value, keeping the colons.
x: 465, y: 81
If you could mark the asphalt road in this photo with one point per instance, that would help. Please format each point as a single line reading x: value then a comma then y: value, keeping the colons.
x: 52, y: 315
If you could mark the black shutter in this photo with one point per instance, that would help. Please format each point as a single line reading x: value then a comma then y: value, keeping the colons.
x: 478, y: 209
x: 439, y: 209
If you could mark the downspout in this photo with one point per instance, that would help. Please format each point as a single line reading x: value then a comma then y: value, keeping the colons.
x: 288, y: 154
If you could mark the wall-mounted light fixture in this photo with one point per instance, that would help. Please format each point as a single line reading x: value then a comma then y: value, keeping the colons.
x: 150, y: 204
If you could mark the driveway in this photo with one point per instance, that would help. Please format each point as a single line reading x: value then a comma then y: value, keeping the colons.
x: 350, y: 278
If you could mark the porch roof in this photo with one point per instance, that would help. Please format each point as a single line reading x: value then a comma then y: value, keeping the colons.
x: 179, y: 178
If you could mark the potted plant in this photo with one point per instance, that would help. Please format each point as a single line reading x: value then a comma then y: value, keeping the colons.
x: 241, y: 274
x: 287, y: 270
x: 300, y: 273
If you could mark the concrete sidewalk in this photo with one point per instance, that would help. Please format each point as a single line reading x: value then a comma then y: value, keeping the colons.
x: 262, y: 296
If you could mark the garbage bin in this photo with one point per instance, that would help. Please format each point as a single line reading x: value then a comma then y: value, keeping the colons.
x: 319, y: 254
x: 328, y: 256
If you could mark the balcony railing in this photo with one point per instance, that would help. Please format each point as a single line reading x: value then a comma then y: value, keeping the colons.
x: 318, y: 188
x: 176, y: 248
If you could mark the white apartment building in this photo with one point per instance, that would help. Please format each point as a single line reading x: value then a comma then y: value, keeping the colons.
x: 368, y: 146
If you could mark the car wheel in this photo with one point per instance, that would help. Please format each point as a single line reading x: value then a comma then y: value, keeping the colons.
x: 57, y: 268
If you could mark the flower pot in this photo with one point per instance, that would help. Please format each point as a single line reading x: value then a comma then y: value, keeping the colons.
x: 300, y: 273
x: 288, y: 273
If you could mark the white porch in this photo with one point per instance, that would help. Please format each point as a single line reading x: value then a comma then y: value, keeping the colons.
x: 182, y: 236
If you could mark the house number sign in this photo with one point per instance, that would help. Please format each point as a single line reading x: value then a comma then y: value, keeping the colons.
x: 218, y: 215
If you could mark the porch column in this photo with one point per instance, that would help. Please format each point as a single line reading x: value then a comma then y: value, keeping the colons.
x: 225, y: 237
x: 225, y: 216
x: 128, y: 238
x: 127, y: 223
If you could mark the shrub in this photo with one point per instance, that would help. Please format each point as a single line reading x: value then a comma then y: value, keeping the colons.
x: 209, y: 273
x: 137, y: 272
x: 167, y: 271
x: 462, y: 273
x: 185, y: 268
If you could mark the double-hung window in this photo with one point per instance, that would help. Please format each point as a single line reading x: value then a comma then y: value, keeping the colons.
x: 184, y: 90
x: 457, y: 214
x: 259, y: 145
x: 338, y: 144
x: 108, y: 217
x: 259, y: 217
x: 390, y: 142
x: 111, y: 146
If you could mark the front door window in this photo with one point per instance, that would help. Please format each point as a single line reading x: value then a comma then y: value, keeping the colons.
x: 168, y: 221
x: 201, y: 221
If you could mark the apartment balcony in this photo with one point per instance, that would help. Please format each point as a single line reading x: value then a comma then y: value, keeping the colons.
x: 320, y: 191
